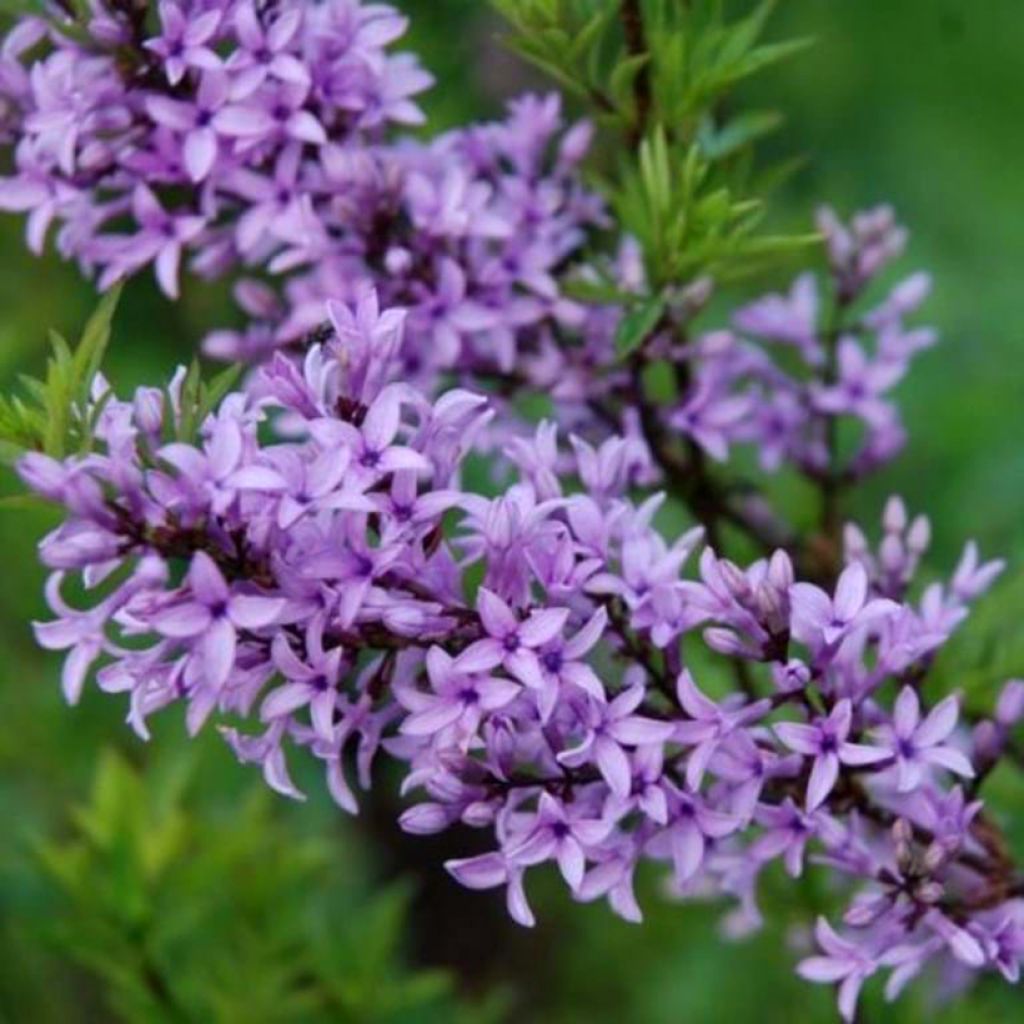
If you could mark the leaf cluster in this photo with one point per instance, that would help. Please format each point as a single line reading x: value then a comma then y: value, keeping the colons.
x: 693, y: 55
x: 57, y: 413
x: 185, y: 916
x: 661, y: 75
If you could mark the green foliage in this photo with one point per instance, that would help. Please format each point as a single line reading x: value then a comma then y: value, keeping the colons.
x: 58, y: 414
x: 688, y: 225
x: 566, y: 39
x: 184, y: 916
x: 693, y: 54
x: 697, y: 55
x: 199, y: 398
x: 661, y: 74
x: 637, y: 324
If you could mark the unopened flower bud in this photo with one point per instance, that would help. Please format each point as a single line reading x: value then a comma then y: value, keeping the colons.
x: 726, y: 642
x: 771, y: 608
x: 919, y: 535
x: 1010, y: 708
x: 794, y: 675
x: 894, y: 519
x: 690, y: 300
x: 865, y: 910
x: 936, y: 855
x: 780, y: 570
x: 43, y: 475
x: 149, y: 410
x: 575, y: 143
x: 987, y: 740
x: 425, y: 819
x: 891, y: 554
x: 735, y: 579
x: 397, y: 260
x: 478, y: 814
x: 902, y: 835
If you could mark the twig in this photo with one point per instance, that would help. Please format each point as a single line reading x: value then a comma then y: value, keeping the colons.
x: 636, y: 44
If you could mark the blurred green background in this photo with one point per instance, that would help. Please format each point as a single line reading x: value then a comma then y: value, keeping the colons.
x: 161, y: 883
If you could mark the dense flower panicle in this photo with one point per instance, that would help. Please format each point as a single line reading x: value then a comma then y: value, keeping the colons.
x: 466, y: 232
x: 254, y: 139
x: 302, y: 592
x: 193, y: 126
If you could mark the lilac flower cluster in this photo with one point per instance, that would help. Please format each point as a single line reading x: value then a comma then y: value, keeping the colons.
x: 196, y: 126
x: 301, y: 588
x: 813, y: 364
x: 465, y: 232
x: 254, y: 137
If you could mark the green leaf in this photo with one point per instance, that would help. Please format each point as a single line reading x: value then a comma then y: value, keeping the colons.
x: 745, y: 33
x: 637, y: 324
x: 742, y: 130
x: 213, y: 392
x: 189, y: 402
x: 58, y: 414
x: 620, y: 85
x: 92, y: 346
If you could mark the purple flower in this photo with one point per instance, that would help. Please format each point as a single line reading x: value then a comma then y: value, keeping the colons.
x: 825, y: 741
x: 860, y: 386
x: 562, y: 665
x: 1006, y: 948
x: 692, y: 823
x: 309, y: 487
x: 710, y: 418
x: 264, y: 50
x: 917, y: 744
x: 311, y: 683
x: 514, y: 643
x: 460, y: 696
x: 821, y: 621
x: 843, y: 962
x: 210, y: 614
x: 184, y: 42
x: 787, y: 831
x: 195, y: 122
x: 373, y: 451
x: 610, y: 727
x: 160, y: 241
x: 561, y: 834
x: 708, y: 726
x: 489, y: 870
x: 792, y: 319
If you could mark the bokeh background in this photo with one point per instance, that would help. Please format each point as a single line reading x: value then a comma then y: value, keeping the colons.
x: 160, y: 882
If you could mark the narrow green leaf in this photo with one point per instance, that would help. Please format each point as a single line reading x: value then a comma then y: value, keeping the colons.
x: 637, y: 324
x: 92, y: 346
x: 739, y: 132
x: 216, y: 389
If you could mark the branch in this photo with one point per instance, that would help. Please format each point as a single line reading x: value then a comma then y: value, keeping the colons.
x: 636, y: 44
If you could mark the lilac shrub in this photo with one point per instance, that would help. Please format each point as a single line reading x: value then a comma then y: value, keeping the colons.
x: 366, y: 549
